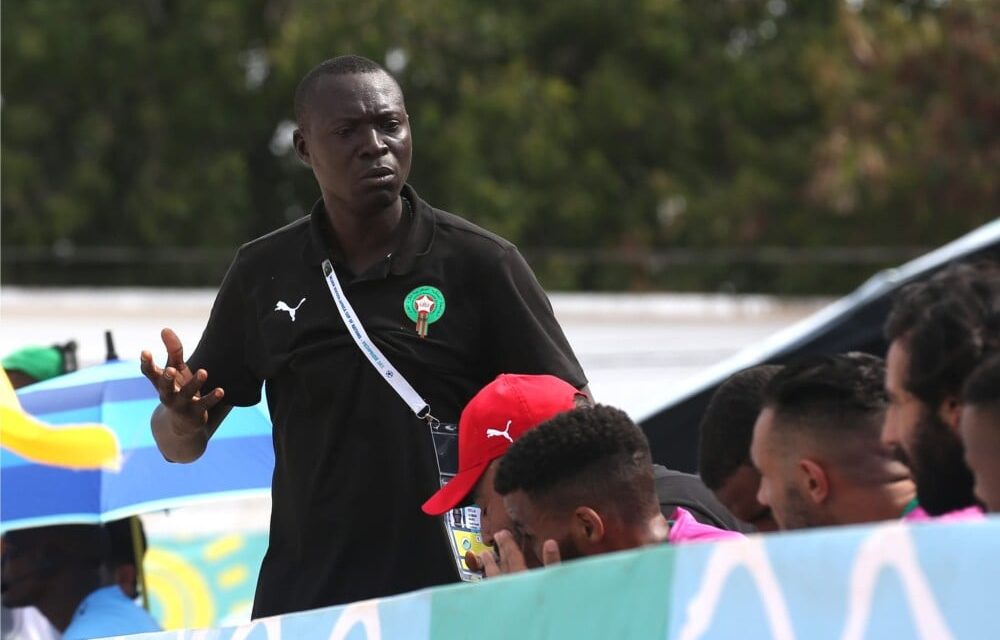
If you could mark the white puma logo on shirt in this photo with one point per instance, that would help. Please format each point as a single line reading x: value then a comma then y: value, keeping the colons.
x: 281, y: 306
x: 496, y: 433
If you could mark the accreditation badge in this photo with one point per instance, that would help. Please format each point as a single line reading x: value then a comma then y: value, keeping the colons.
x: 462, y: 524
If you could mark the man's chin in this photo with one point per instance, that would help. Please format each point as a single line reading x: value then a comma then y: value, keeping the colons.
x: 376, y: 200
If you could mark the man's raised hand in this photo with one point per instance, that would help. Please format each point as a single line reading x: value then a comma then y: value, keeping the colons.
x: 179, y: 387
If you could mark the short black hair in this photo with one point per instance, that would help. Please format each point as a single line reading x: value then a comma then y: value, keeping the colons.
x: 950, y: 323
x: 83, y: 545
x: 594, y: 453
x: 830, y: 394
x: 123, y: 551
x: 982, y: 388
x: 727, y: 426
x: 339, y: 66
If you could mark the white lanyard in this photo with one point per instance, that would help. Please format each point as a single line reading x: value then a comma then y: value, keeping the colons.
x: 354, y: 327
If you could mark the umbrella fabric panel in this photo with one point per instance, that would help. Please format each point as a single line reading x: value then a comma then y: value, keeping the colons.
x: 240, y: 458
x: 146, y: 482
x: 31, y: 491
x: 230, y: 465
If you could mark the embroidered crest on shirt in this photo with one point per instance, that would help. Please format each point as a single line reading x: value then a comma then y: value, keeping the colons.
x: 497, y: 433
x: 283, y: 306
x: 424, y: 306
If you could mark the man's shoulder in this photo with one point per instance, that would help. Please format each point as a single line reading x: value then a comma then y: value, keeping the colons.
x: 107, y: 611
x: 457, y: 229
x: 292, y: 235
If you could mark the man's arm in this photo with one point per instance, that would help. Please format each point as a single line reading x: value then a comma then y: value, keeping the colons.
x: 185, y: 419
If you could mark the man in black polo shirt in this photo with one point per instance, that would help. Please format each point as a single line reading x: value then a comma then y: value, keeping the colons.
x: 448, y: 304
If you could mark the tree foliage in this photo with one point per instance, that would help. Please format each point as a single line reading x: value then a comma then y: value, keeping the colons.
x: 571, y: 128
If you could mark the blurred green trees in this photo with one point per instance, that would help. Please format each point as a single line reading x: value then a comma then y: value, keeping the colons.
x: 630, y: 144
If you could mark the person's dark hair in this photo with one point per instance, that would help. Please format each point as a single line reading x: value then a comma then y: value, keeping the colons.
x: 339, y: 66
x: 727, y: 426
x: 949, y: 323
x: 122, y: 544
x: 82, y: 545
x: 830, y: 394
x: 982, y: 388
x: 590, y: 455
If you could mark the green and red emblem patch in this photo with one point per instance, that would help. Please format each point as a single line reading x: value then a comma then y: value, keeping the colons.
x: 424, y: 306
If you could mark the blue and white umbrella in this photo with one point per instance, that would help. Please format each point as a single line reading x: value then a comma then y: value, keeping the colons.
x: 239, y: 460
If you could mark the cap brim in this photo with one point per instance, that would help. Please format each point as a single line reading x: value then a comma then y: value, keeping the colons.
x: 454, y: 493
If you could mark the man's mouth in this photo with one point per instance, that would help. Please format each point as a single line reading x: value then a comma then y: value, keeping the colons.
x: 378, y: 173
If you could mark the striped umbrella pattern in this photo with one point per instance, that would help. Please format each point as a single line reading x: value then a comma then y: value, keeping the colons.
x: 239, y: 460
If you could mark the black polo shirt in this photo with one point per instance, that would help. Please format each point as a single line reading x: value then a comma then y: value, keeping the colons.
x: 352, y: 463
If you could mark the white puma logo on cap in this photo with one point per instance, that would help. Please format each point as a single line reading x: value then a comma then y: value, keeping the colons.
x: 282, y: 306
x: 496, y: 433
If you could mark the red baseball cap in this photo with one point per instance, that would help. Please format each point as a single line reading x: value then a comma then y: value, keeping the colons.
x: 497, y: 416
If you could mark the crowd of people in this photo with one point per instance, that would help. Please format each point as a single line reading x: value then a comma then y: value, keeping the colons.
x: 378, y: 324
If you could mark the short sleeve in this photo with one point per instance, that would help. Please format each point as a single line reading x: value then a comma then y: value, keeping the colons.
x: 224, y: 348
x: 522, y: 333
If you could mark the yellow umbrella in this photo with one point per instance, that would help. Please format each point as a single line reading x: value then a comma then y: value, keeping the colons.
x: 77, y: 446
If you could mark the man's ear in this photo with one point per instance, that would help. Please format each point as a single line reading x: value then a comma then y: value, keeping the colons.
x: 587, y: 527
x: 815, y: 480
x: 301, y: 148
x: 950, y: 411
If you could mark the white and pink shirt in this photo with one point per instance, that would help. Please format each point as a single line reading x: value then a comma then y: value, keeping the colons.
x: 684, y: 528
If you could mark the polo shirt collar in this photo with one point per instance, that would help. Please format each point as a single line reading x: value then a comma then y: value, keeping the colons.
x: 323, y: 244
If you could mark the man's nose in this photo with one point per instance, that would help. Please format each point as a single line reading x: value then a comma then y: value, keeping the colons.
x: 374, y: 144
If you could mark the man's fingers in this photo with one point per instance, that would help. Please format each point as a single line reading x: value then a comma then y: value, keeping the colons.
x: 175, y: 350
x: 191, y: 387
x: 472, y: 561
x: 511, y: 557
x: 489, y: 562
x: 211, y: 399
x: 506, y: 545
x: 550, y: 553
x: 149, y: 368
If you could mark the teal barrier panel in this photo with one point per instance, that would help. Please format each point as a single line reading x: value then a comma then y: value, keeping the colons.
x: 928, y: 582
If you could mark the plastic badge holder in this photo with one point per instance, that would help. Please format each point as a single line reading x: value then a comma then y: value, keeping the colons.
x: 462, y: 524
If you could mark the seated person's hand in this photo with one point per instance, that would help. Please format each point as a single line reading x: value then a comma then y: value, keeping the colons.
x: 509, y: 558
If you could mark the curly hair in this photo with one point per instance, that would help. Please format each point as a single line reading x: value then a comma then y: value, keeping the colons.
x: 594, y: 455
x: 949, y: 324
x: 339, y: 66
x: 830, y: 393
x: 727, y: 426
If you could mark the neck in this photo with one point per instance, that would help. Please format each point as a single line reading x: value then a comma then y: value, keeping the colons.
x: 64, y: 597
x: 655, y: 530
x: 365, y: 237
x: 875, y: 504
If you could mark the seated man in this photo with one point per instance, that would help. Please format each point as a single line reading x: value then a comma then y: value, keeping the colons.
x: 582, y: 484
x: 122, y: 567
x: 817, y: 445
x: 724, y: 454
x: 58, y: 570
x: 503, y: 411
x: 938, y: 330
x: 980, y: 427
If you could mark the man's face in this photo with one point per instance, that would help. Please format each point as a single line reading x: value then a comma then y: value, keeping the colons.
x: 493, y: 513
x: 23, y: 584
x: 534, y: 525
x: 779, y: 488
x: 917, y: 435
x: 739, y: 494
x: 980, y: 429
x: 904, y: 410
x: 356, y: 138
